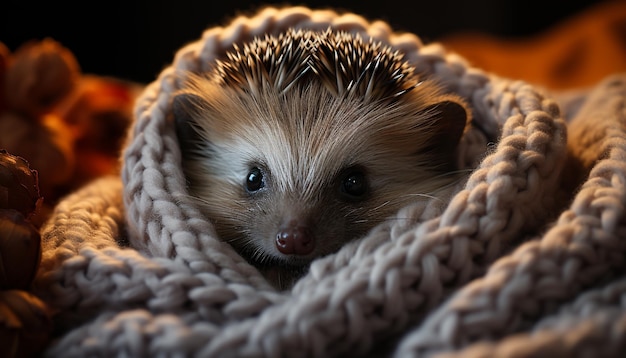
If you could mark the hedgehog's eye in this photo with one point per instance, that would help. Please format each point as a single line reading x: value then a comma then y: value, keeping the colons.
x: 354, y: 184
x: 254, y: 180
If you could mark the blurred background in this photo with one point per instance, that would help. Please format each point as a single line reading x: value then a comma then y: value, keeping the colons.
x: 135, y: 40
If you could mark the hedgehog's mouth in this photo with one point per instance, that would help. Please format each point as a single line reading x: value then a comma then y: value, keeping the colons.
x: 282, y: 271
x: 265, y: 261
x: 295, y: 263
x: 281, y: 274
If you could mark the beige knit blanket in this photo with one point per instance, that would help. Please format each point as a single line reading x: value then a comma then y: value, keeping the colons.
x: 526, y: 259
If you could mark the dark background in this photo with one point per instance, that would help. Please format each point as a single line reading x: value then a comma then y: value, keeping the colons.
x: 135, y: 40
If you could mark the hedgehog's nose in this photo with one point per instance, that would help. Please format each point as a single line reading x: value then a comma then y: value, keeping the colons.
x: 294, y: 239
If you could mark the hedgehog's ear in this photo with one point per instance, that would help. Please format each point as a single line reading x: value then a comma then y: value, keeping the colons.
x: 184, y: 110
x: 450, y: 118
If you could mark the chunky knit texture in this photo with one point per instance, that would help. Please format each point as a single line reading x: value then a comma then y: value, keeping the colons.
x: 513, y: 265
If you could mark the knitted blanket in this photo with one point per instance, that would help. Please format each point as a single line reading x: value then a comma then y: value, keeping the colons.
x: 525, y: 259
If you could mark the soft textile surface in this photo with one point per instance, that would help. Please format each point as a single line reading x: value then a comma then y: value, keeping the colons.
x: 525, y: 259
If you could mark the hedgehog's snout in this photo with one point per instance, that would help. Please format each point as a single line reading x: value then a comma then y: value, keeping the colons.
x: 295, y: 238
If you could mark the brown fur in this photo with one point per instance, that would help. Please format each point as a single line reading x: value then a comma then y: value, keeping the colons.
x: 306, y: 140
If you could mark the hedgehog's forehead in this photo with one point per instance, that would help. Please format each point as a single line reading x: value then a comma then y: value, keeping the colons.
x: 341, y: 61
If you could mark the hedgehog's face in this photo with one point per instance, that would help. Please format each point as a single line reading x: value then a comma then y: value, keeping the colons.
x: 288, y: 176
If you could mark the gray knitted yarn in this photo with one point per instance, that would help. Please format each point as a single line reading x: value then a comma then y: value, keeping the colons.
x: 134, y: 269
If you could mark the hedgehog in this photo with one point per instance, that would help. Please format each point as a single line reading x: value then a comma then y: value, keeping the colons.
x: 295, y: 144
